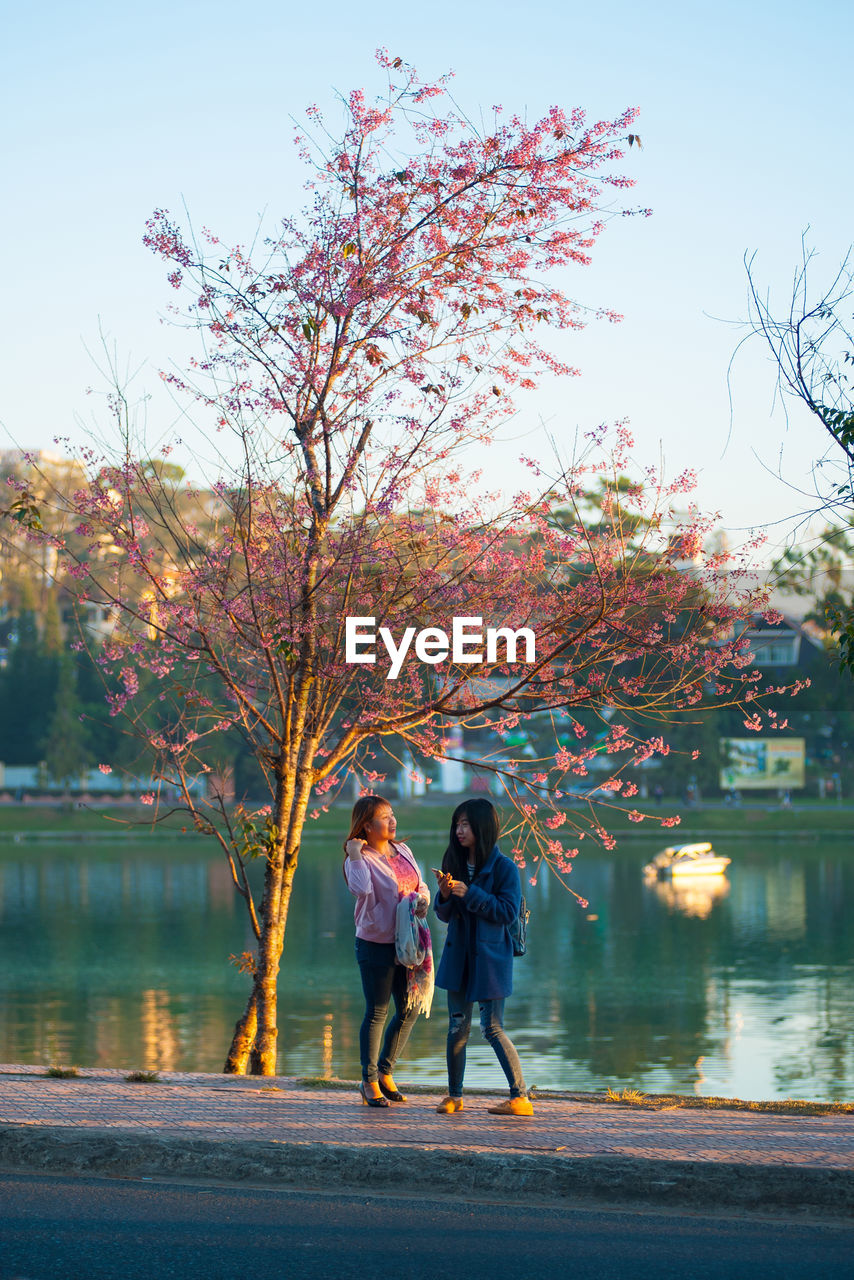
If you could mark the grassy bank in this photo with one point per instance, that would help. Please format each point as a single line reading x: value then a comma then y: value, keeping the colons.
x: 115, y: 821
x: 803, y: 820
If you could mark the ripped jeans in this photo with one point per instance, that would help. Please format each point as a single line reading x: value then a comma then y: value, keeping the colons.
x: 492, y: 1026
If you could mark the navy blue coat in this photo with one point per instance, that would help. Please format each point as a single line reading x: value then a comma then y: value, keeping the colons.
x: 478, y: 932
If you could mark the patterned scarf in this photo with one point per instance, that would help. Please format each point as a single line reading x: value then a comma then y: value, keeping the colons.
x: 414, y: 950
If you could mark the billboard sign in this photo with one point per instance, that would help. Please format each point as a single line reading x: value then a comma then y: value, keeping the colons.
x: 754, y: 763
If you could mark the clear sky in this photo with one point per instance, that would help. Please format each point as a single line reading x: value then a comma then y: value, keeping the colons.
x: 112, y: 109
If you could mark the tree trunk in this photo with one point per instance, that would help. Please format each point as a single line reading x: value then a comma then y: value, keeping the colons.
x: 262, y: 1059
x: 243, y: 1039
x: 254, y: 1043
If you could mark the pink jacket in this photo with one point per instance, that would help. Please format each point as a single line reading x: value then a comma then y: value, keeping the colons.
x: 375, y: 888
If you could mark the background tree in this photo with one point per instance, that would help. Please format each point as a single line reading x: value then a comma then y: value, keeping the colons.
x: 27, y: 684
x: 812, y: 345
x: 64, y: 747
x: 379, y: 334
x: 811, y: 342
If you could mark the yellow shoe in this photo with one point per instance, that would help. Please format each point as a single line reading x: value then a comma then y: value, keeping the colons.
x: 448, y: 1106
x: 513, y: 1107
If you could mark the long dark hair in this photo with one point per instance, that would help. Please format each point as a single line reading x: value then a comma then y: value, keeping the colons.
x: 484, y: 822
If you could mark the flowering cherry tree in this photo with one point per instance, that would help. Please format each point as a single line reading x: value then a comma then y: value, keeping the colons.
x: 346, y: 364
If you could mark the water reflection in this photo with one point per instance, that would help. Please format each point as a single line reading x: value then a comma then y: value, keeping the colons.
x: 693, y: 896
x: 160, y: 1047
x: 740, y: 985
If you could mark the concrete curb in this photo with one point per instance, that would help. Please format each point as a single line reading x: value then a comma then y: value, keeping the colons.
x: 667, y: 1184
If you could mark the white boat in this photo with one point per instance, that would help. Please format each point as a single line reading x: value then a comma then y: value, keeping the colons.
x: 681, y: 860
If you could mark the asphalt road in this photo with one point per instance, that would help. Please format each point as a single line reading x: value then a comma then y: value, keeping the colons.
x: 65, y: 1228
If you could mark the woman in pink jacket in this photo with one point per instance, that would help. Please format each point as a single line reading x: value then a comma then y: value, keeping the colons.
x: 379, y: 871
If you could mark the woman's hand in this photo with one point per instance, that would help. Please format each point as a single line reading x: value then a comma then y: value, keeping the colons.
x: 459, y: 888
x: 445, y: 880
x: 421, y: 908
x: 354, y: 848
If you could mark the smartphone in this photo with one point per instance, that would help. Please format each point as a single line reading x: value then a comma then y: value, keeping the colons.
x: 437, y: 872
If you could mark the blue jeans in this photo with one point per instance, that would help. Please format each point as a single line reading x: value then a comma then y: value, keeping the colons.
x: 492, y: 1026
x: 382, y: 980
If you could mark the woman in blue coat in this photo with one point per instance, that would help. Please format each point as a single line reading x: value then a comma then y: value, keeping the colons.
x: 478, y: 898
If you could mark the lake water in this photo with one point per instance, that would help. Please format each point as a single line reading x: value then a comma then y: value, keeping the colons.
x: 118, y: 956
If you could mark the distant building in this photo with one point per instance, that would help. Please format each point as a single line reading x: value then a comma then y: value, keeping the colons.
x: 787, y: 643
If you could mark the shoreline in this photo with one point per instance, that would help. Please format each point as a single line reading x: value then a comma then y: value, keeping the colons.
x: 73, y: 821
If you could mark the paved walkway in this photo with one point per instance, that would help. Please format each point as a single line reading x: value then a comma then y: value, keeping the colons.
x: 221, y: 1117
x: 277, y: 1109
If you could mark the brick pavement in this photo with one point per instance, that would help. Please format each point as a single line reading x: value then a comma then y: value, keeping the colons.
x: 231, y: 1109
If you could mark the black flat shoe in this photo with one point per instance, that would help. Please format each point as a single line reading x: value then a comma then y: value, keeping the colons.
x: 393, y: 1095
x: 368, y: 1101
